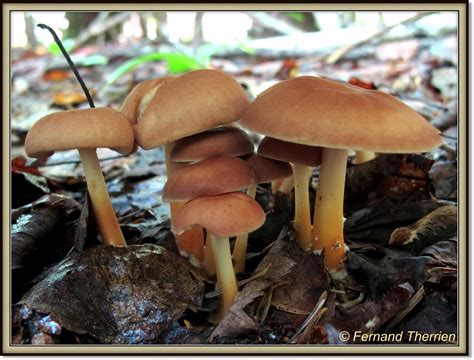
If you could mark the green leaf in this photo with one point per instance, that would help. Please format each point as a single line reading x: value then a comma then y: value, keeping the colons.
x: 297, y: 16
x: 177, y: 63
x: 67, y: 43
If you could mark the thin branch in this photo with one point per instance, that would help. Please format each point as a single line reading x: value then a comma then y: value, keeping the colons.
x: 342, y: 51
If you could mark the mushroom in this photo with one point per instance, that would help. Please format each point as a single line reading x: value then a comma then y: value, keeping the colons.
x: 266, y: 170
x: 319, y: 112
x: 303, y: 158
x: 86, y: 130
x: 189, y: 104
x: 174, y: 108
x: 223, y: 216
x: 221, y: 141
x: 363, y: 156
x: 218, y: 175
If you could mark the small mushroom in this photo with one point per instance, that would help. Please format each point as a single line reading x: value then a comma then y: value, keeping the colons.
x: 218, y: 175
x: 363, y: 156
x: 303, y: 158
x: 266, y: 170
x: 86, y: 130
x: 223, y: 216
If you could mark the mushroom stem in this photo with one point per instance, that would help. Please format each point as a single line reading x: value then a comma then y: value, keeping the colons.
x: 109, y: 228
x: 225, y: 272
x: 240, y: 247
x: 328, y: 232
x: 287, y: 185
x: 191, y: 242
x: 208, y: 263
x: 301, y: 175
x: 363, y: 156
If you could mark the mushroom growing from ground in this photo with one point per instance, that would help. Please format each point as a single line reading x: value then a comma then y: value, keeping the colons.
x: 223, y: 216
x: 319, y: 112
x: 218, y: 175
x: 221, y: 141
x: 266, y: 170
x: 303, y: 158
x: 86, y: 130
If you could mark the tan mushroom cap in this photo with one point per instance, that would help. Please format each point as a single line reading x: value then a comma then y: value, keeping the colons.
x: 221, y: 141
x: 190, y: 104
x: 76, y: 129
x: 135, y: 103
x: 314, y: 111
x: 267, y: 169
x: 214, y: 176
x: 291, y: 152
x: 223, y: 216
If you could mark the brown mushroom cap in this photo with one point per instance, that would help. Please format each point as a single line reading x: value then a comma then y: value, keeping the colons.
x: 319, y: 112
x: 135, y: 103
x: 75, y: 129
x: 267, y: 169
x: 221, y: 141
x: 190, y: 104
x: 287, y: 151
x: 223, y: 216
x: 214, y: 176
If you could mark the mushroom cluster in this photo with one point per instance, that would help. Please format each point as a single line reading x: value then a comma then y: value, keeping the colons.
x: 308, y: 122
x: 336, y: 117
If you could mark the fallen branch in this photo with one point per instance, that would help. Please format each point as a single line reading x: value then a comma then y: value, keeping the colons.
x: 100, y: 24
x: 342, y: 51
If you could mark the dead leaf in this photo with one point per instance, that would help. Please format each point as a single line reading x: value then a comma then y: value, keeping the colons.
x: 278, y: 264
x: 125, y: 295
x: 439, y: 224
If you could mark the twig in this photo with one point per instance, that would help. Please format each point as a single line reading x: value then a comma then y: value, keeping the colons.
x: 58, y: 163
x: 100, y: 24
x: 339, y: 53
x: 415, y: 299
x: 241, y: 283
x: 273, y: 23
x: 315, y: 315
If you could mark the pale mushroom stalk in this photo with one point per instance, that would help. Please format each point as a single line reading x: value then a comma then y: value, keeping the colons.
x: 109, y: 228
x: 287, y: 185
x: 240, y: 246
x: 301, y: 175
x: 225, y: 272
x: 328, y: 214
x: 209, y: 264
x: 363, y: 156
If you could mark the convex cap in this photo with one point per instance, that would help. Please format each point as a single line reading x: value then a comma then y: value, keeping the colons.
x: 291, y: 152
x: 137, y: 101
x: 314, y: 111
x: 76, y: 129
x: 221, y: 141
x: 222, y: 215
x: 214, y: 176
x: 189, y: 104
